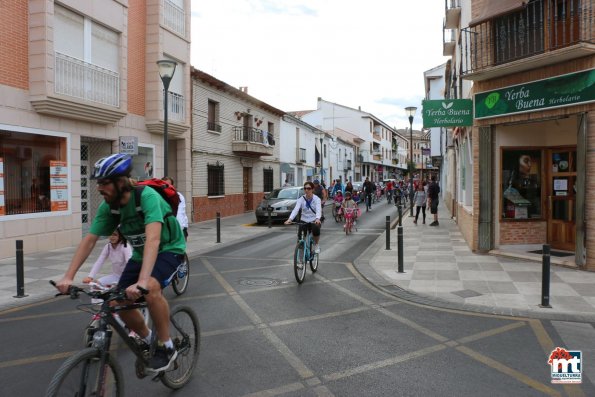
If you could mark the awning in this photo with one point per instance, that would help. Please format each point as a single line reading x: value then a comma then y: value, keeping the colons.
x: 496, y: 8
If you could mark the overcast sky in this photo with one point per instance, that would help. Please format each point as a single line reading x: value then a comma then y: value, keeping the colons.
x: 290, y: 52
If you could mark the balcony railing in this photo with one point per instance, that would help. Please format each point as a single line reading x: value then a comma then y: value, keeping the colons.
x: 253, y: 135
x: 448, y: 41
x: 174, y: 17
x: 538, y: 28
x: 83, y: 80
x: 347, y: 165
x: 175, y: 106
x: 452, y: 10
x: 213, y: 126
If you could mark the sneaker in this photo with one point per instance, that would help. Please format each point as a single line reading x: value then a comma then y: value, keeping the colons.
x: 317, y: 249
x: 435, y: 223
x: 415, y: 222
x: 162, y: 359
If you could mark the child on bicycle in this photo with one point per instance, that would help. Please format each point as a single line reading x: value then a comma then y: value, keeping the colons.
x: 337, y: 201
x: 118, y: 252
x: 349, y: 203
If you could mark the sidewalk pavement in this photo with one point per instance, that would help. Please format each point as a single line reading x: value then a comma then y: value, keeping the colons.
x: 441, y: 270
x: 40, y: 267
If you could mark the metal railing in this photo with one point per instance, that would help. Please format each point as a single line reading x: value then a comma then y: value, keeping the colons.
x: 254, y: 135
x: 83, y: 80
x: 538, y: 28
x: 174, y: 17
x: 451, y: 4
x: 176, y: 106
x: 213, y: 126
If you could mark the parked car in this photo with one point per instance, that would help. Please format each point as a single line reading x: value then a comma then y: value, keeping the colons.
x: 282, y: 202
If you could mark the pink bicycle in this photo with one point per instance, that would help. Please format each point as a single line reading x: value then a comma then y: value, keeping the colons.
x: 350, y: 215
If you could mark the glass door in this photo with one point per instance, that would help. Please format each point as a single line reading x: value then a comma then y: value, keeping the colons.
x: 561, y: 198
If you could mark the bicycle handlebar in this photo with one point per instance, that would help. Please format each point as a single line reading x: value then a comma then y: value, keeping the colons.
x: 107, y: 294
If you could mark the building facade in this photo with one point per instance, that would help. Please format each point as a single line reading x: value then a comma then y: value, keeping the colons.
x: 298, y: 151
x: 532, y: 65
x: 80, y: 81
x: 235, y: 148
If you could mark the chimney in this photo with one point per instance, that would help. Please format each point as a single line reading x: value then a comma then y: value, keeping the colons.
x: 244, y: 89
x: 359, y: 108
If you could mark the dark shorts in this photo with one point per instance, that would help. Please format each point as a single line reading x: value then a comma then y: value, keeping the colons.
x: 313, y: 227
x: 434, y: 206
x: 165, y: 266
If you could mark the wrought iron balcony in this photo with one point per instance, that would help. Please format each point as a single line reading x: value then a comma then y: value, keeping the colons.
x: 252, y: 142
x: 174, y: 17
x: 542, y: 33
x: 301, y: 155
x: 213, y: 126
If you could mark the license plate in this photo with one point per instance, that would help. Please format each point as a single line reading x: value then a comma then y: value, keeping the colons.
x: 273, y: 214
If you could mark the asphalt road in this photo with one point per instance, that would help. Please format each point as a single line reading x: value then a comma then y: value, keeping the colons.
x: 334, y: 335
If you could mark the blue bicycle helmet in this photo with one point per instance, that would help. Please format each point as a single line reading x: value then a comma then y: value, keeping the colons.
x: 112, y: 166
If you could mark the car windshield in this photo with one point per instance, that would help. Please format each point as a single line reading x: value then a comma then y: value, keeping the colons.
x: 283, y: 194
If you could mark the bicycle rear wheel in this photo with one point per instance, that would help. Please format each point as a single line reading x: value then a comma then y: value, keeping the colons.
x: 180, y: 281
x: 81, y: 376
x: 185, y: 333
x: 299, y: 265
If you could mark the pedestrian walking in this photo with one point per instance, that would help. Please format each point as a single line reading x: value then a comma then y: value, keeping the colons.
x: 420, y: 203
x: 433, y: 193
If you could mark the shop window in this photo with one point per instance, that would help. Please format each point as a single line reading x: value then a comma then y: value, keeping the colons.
x: 267, y: 179
x: 521, y: 184
x: 33, y: 173
x: 142, y: 163
x: 215, y: 180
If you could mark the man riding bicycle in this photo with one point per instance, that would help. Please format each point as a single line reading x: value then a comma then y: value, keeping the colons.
x: 311, y: 208
x: 158, y: 247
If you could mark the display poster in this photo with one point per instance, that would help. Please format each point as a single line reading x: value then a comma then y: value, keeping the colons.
x: 58, y: 185
x: 2, y: 205
x: 142, y: 164
x: 560, y: 184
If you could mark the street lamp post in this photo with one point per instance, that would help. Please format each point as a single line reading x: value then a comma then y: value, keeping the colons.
x: 410, y: 114
x: 321, y: 156
x: 167, y: 68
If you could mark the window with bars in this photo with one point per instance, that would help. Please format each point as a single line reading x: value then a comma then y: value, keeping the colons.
x: 267, y: 178
x: 216, y: 180
x: 213, y: 116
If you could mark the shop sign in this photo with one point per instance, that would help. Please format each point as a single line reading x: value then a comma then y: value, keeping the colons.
x: 2, y: 205
x: 567, y: 90
x: 426, y: 151
x: 129, y: 145
x: 58, y: 186
x: 447, y: 113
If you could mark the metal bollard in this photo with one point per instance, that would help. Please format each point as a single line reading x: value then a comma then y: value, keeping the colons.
x: 400, y: 247
x: 545, y: 277
x: 270, y: 222
x: 218, y: 227
x: 400, y: 207
x: 20, y: 271
x: 387, y: 233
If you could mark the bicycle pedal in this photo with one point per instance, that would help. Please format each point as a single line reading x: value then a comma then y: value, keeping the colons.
x: 157, y: 377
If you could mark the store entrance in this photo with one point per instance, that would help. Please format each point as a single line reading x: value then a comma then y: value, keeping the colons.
x: 561, y: 198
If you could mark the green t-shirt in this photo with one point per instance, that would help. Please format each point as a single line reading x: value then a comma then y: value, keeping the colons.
x: 131, y: 224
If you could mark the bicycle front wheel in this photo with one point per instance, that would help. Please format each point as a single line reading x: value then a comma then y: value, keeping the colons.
x: 82, y: 375
x: 299, y: 265
x: 185, y: 333
x: 180, y: 281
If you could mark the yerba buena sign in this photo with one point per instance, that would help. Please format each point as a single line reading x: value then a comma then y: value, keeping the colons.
x: 447, y: 113
x: 566, y: 90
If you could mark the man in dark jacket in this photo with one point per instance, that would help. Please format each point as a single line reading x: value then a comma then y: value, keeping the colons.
x: 368, y: 189
x: 433, y: 194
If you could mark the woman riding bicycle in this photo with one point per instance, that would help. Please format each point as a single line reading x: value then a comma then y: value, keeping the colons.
x: 311, y: 208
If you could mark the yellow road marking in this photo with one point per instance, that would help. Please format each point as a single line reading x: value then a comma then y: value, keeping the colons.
x: 513, y: 373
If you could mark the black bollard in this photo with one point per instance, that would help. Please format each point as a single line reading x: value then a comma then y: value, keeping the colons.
x: 20, y: 271
x: 269, y: 209
x: 545, y: 277
x: 387, y: 227
x: 218, y: 227
x: 400, y: 247
x: 400, y: 207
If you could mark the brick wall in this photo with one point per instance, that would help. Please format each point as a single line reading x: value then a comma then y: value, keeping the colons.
x: 14, y: 43
x: 465, y: 222
x: 205, y: 208
x: 523, y: 232
x: 137, y: 22
x: 590, y: 192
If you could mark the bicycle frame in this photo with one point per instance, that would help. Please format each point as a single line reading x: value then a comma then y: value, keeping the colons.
x: 308, y: 240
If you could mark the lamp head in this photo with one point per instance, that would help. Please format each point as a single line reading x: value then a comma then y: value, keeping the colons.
x: 410, y: 111
x: 167, y: 68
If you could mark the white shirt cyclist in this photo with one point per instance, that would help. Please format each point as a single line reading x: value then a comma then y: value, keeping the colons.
x: 311, y: 210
